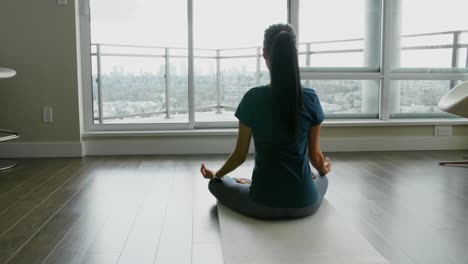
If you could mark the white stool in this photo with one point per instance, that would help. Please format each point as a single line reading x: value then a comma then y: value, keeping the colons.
x: 456, y: 102
x: 6, y: 164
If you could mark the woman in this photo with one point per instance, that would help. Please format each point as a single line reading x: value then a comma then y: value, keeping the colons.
x: 284, y: 119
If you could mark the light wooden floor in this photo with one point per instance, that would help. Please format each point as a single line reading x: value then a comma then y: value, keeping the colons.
x: 153, y: 209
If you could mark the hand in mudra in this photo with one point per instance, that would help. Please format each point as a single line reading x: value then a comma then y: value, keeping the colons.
x: 207, y: 174
x: 327, y: 164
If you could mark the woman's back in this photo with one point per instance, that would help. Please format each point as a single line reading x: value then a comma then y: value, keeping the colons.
x: 284, y: 120
x: 282, y: 176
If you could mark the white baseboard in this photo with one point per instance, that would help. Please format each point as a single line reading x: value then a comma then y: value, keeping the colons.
x: 41, y: 149
x: 216, y: 145
x: 342, y: 144
x: 225, y: 144
x: 161, y: 145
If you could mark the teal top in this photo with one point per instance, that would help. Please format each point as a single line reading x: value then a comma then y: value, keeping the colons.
x: 282, y: 176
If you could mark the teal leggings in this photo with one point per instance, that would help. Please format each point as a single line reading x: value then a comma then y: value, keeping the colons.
x: 236, y: 196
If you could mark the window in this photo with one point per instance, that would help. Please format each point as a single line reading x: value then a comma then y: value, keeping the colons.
x: 228, y: 48
x: 337, y: 33
x: 418, y: 98
x: 346, y: 98
x: 333, y: 39
x: 367, y: 59
x: 433, y: 39
x: 139, y: 68
x: 428, y: 52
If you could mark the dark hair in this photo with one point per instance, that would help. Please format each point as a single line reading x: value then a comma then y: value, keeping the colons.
x: 280, y: 43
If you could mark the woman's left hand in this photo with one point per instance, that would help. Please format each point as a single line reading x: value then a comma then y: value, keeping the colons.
x: 207, y: 174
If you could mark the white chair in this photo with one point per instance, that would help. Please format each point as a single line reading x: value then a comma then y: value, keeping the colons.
x: 456, y: 102
x: 6, y: 164
x: 6, y: 73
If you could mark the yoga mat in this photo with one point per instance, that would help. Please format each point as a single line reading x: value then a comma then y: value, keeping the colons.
x: 323, y: 238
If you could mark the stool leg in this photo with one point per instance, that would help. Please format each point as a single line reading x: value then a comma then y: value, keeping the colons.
x: 6, y: 164
x: 454, y: 162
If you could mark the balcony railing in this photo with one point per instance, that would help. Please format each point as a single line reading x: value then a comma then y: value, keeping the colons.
x: 455, y: 46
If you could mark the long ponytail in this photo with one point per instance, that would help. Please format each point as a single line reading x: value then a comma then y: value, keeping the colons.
x: 285, y: 79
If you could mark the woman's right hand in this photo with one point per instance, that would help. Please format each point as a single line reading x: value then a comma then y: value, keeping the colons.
x: 207, y: 174
x: 327, y: 165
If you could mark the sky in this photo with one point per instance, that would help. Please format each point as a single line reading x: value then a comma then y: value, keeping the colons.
x: 240, y: 23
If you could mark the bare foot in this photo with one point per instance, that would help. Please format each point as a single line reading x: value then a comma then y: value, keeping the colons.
x: 314, y: 177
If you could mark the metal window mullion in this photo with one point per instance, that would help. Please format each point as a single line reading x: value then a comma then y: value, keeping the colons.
x: 466, y: 62
x: 371, y: 54
x: 455, y: 54
x: 119, y: 127
x: 167, y: 75
x: 384, y: 113
x: 434, y: 33
x: 431, y: 76
x: 305, y: 75
x: 218, y: 82
x: 258, y: 76
x: 308, y: 55
x: 87, y: 120
x: 131, y: 55
x: 385, y: 62
x: 238, y: 57
x: 99, y: 83
x: 293, y: 17
x: 431, y: 47
x: 455, y: 49
x: 190, y: 68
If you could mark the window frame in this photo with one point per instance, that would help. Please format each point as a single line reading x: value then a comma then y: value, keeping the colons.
x: 385, y: 74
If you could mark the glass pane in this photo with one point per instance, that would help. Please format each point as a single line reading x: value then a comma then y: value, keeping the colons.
x: 205, y: 85
x: 303, y: 60
x: 335, y: 59
x: 238, y: 52
x: 131, y: 95
x: 238, y: 76
x: 427, y: 58
x: 418, y: 98
x: 464, y: 38
x: 128, y: 38
x: 347, y: 98
x: 341, y: 33
x: 427, y: 38
x: 178, y: 93
x: 463, y: 58
x: 94, y: 86
x: 139, y: 22
x: 264, y: 73
x: 237, y: 43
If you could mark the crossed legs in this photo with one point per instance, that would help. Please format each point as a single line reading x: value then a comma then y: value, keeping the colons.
x: 235, y: 195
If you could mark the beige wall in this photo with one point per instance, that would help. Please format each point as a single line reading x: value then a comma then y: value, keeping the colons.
x: 38, y: 40
x: 460, y: 131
